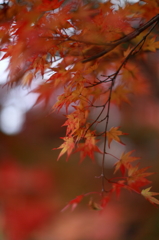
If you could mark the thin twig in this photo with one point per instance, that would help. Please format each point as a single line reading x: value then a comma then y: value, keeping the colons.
x: 109, y: 101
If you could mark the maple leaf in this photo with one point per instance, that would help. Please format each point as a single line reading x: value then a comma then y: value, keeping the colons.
x: 113, y: 134
x: 151, y: 45
x: 73, y: 203
x: 67, y: 98
x: 67, y: 146
x: 149, y: 195
x: 88, y: 148
x: 117, y: 186
x: 120, y: 94
x: 137, y: 177
x: 124, y: 162
x: 75, y: 122
x: 72, y: 124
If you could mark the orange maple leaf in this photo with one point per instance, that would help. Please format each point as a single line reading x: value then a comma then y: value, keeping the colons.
x: 120, y: 94
x: 75, y: 121
x: 88, y: 148
x: 151, y: 45
x: 68, y: 97
x: 113, y: 134
x: 149, y: 195
x: 137, y: 177
x: 124, y: 162
x: 67, y: 146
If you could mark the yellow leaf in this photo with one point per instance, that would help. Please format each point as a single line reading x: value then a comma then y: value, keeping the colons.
x: 67, y: 146
x: 151, y: 45
x: 149, y: 195
x: 124, y: 162
x: 113, y: 134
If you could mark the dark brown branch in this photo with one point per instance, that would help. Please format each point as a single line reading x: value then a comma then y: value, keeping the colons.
x: 133, y: 51
x: 130, y: 36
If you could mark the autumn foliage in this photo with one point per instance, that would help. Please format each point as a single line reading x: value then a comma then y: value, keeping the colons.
x: 91, y: 53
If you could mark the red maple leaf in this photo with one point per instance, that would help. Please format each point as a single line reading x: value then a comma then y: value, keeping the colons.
x: 88, y: 147
x: 124, y: 162
x: 137, y: 177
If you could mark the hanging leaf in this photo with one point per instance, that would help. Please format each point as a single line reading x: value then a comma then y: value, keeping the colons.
x: 124, y: 162
x: 67, y: 147
x: 149, y: 196
x: 113, y: 134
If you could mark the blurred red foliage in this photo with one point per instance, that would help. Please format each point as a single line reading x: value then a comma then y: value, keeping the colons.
x: 25, y: 198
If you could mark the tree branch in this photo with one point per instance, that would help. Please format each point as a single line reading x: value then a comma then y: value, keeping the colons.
x: 130, y: 36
